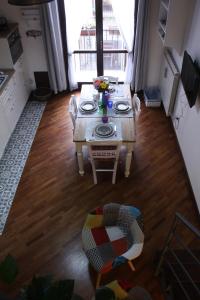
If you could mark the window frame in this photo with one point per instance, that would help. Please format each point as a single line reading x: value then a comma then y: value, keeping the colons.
x: 99, y: 40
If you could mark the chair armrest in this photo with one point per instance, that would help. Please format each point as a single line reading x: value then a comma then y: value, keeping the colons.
x: 134, y: 251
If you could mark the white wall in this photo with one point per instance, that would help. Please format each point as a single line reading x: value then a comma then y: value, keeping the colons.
x: 33, y: 47
x: 155, y: 46
x: 186, y: 120
x: 188, y: 126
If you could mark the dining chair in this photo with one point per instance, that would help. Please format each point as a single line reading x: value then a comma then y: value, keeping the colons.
x: 136, y: 105
x: 123, y: 289
x: 104, y: 151
x: 73, y: 109
x: 112, y: 235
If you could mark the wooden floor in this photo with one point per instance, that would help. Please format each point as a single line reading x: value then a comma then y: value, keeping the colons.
x: 43, y: 230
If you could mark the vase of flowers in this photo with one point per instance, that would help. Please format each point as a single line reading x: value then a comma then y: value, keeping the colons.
x: 102, y: 86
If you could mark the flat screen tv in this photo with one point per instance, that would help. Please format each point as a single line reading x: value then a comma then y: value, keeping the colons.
x: 190, y: 77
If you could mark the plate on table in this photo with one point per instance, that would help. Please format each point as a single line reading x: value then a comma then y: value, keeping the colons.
x: 104, y: 130
x: 121, y: 106
x: 88, y: 106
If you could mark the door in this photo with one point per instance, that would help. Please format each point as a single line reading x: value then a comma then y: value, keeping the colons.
x: 101, y: 48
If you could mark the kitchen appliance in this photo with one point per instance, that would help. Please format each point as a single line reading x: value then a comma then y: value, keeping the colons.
x: 10, y: 46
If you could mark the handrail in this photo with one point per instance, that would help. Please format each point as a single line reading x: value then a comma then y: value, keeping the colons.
x: 185, y: 271
x: 178, y: 280
x: 188, y: 224
x: 178, y: 238
x: 178, y: 217
x: 167, y: 248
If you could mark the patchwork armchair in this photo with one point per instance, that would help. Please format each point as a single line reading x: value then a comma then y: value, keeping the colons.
x: 111, y: 236
x: 125, y: 290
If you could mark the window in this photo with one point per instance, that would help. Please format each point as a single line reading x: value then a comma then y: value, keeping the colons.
x: 101, y: 48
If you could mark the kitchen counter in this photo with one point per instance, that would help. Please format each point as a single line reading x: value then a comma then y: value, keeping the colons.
x: 13, y: 97
x: 8, y: 72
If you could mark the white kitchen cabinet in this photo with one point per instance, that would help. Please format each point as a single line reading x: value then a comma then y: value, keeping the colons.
x: 21, y: 76
x: 20, y: 93
x: 9, y: 104
x: 5, y: 131
x: 12, y: 101
x: 174, y: 18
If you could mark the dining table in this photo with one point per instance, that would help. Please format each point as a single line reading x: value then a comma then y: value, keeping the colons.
x: 124, y: 122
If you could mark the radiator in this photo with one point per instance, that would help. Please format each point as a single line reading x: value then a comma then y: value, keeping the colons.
x: 168, y: 82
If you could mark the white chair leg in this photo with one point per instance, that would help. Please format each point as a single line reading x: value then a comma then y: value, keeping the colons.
x: 114, y: 178
x: 94, y: 171
x: 95, y: 177
x: 131, y: 265
x: 114, y: 172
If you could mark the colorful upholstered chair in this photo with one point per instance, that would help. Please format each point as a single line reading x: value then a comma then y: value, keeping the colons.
x: 124, y: 290
x: 111, y: 236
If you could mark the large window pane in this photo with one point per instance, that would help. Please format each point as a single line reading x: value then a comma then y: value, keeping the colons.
x: 87, y: 40
x: 112, y: 38
x: 115, y: 61
x: 114, y: 64
x: 86, y: 63
x: 85, y: 66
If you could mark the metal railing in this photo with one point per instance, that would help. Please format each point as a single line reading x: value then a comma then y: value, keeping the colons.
x: 183, y: 271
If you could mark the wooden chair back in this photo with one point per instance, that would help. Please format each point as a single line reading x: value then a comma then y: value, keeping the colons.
x: 104, y: 151
x: 73, y: 109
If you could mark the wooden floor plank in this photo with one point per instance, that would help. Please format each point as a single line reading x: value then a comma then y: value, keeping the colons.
x: 44, y: 226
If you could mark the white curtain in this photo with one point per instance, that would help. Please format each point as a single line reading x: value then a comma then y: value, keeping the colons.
x: 140, y: 52
x: 124, y: 13
x: 54, y: 47
x: 77, y: 12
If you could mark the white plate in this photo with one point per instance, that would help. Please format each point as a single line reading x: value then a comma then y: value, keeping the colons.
x: 104, y: 130
x: 88, y: 106
x: 122, y: 107
x: 104, y: 137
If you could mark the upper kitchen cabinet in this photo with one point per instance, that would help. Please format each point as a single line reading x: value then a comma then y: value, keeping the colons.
x: 174, y: 18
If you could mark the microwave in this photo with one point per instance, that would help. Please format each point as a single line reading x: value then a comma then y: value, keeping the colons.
x: 10, y: 46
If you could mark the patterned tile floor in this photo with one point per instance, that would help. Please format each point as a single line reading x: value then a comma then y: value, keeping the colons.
x: 16, y: 153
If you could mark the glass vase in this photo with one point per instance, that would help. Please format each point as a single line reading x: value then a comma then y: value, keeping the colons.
x: 105, y: 97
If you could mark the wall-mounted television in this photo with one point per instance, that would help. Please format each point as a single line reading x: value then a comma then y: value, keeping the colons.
x: 190, y: 77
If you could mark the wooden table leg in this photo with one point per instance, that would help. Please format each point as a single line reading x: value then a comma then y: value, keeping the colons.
x: 80, y: 158
x: 128, y: 159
